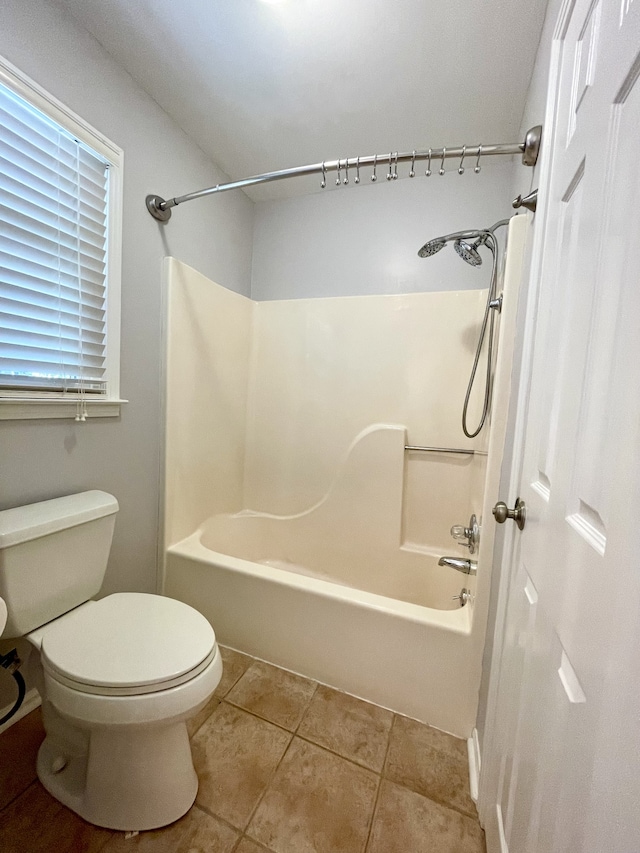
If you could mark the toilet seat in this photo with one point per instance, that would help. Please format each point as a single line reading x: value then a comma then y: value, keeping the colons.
x: 128, y: 644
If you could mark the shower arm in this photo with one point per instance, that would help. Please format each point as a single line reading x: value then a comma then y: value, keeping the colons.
x: 160, y: 208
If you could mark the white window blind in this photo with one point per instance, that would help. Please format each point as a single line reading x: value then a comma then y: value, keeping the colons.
x: 53, y: 255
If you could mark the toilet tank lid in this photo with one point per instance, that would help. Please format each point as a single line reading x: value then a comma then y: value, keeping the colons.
x: 23, y: 523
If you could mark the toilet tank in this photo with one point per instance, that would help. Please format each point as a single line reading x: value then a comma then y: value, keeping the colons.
x: 53, y: 556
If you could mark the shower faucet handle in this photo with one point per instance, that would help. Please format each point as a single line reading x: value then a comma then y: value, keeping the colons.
x: 467, y: 536
x: 459, y: 532
x: 463, y: 596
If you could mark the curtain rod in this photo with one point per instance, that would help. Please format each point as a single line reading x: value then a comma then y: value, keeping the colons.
x: 160, y: 208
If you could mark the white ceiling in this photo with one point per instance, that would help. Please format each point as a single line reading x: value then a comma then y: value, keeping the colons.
x: 262, y: 87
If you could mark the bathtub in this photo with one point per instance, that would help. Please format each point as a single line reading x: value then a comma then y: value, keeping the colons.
x: 333, y: 593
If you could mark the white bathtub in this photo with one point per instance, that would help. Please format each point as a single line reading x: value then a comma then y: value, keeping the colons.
x: 334, y: 594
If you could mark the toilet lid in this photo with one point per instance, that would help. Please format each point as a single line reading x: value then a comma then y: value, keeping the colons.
x: 126, y: 641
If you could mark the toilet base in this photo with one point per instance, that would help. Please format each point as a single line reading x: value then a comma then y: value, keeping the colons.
x: 128, y: 779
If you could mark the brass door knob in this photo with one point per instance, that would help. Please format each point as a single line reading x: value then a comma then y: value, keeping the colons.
x: 502, y: 512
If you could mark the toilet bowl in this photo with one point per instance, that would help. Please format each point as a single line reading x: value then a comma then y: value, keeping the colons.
x: 118, y: 677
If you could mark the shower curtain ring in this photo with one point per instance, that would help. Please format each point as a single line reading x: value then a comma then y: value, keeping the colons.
x: 389, y: 173
x: 395, y: 167
x: 461, y: 167
x: 338, y: 179
x: 412, y: 171
x: 428, y: 172
x: 323, y: 183
x: 441, y: 169
x: 374, y: 177
x: 357, y: 177
x: 346, y: 169
x: 476, y: 168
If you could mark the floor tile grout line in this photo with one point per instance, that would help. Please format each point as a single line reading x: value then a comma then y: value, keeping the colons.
x: 258, y: 844
x: 266, y: 719
x: 380, y: 780
x: 308, y: 705
x: 268, y: 785
x: 440, y: 754
x: 386, y: 755
x: 257, y: 716
x: 294, y: 734
x: 210, y: 812
x: 17, y: 796
x: 339, y: 755
x: 230, y: 688
x: 441, y: 803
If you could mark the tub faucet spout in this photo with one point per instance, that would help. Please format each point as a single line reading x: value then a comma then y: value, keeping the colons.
x: 467, y: 567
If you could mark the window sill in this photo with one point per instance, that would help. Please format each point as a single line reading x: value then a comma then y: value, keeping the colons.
x: 27, y: 408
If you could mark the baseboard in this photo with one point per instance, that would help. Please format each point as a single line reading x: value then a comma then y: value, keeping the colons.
x: 473, y: 751
x: 31, y: 702
x: 501, y: 835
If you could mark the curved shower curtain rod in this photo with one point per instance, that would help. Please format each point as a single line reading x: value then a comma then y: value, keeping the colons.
x: 160, y: 208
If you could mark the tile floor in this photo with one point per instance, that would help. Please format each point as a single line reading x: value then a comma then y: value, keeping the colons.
x: 286, y: 766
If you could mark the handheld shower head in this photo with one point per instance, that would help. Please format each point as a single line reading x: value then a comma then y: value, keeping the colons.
x: 431, y: 248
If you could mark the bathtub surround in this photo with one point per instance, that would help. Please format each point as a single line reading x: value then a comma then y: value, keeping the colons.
x: 322, y: 370
x: 281, y: 389
x: 327, y: 562
x: 208, y: 350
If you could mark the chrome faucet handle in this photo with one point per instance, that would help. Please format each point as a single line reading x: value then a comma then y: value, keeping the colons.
x: 460, y: 533
x: 463, y: 596
x: 467, y: 536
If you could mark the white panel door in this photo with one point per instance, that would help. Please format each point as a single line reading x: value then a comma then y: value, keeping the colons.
x: 562, y: 747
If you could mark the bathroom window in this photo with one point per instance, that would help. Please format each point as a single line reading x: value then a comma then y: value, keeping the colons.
x: 60, y: 189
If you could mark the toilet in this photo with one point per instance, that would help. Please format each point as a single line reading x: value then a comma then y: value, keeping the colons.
x: 118, y: 677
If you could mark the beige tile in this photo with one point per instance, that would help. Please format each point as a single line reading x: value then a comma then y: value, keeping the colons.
x: 37, y: 823
x: 196, y: 832
x: 195, y: 722
x: 316, y: 803
x: 249, y: 846
x: 354, y: 729
x: 431, y: 763
x: 19, y: 746
x: 235, y: 755
x: 273, y: 694
x: 406, y: 822
x: 234, y: 665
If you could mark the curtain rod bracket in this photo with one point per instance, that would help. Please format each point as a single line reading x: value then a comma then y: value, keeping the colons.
x: 154, y: 206
x: 532, y: 142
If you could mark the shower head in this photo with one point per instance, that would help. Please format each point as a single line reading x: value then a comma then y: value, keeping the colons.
x: 432, y: 247
x: 469, y: 251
